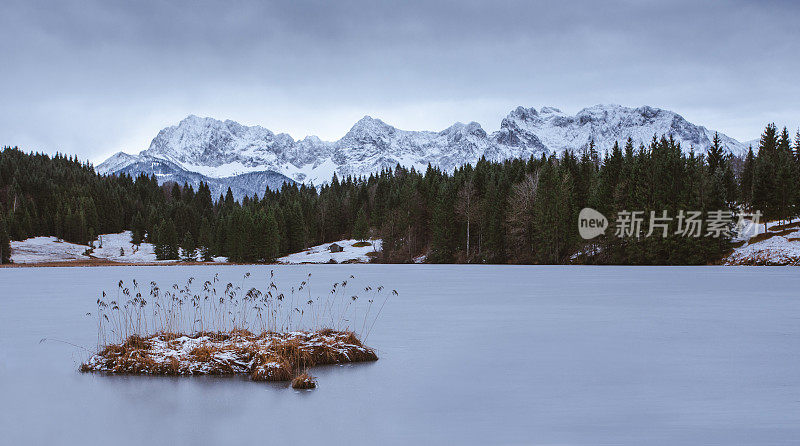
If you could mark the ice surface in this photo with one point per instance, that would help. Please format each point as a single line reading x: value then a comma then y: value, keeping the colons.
x: 468, y: 355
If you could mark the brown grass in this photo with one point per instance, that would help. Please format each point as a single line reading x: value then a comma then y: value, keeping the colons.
x: 304, y: 381
x: 361, y: 244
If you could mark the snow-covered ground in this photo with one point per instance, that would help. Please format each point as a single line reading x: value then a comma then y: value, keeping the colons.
x: 112, y: 243
x: 749, y: 229
x: 322, y: 253
x: 118, y: 248
x: 783, y: 249
x: 113, y: 247
x: 46, y: 249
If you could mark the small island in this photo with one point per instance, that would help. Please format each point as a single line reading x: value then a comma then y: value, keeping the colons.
x: 263, y: 357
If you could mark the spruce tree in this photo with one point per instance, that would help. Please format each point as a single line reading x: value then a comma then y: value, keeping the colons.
x: 442, y: 241
x: 784, y: 141
x: 786, y: 180
x: 138, y: 229
x: 157, y: 238
x: 765, y: 195
x: 746, y: 180
x: 769, y: 140
x: 716, y: 154
x: 175, y: 192
x: 272, y: 237
x: 361, y: 226
x: 797, y: 147
x: 206, y: 241
x: 188, y: 247
x: 5, y: 244
x: 170, y: 241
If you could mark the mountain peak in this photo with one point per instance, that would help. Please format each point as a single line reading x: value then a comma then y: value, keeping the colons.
x: 550, y: 110
x: 368, y: 127
x: 192, y: 118
x: 369, y: 121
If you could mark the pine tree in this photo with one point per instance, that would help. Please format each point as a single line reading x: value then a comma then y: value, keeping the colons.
x: 786, y: 180
x: 170, y: 241
x: 296, y: 228
x: 156, y: 238
x: 175, y: 192
x: 797, y: 147
x: 553, y: 210
x: 189, y: 248
x: 138, y: 229
x: 716, y: 154
x: 206, y: 241
x: 765, y: 195
x: 746, y: 180
x: 5, y: 244
x: 784, y: 141
x: 272, y: 236
x: 441, y: 245
x: 361, y: 226
x: 769, y: 140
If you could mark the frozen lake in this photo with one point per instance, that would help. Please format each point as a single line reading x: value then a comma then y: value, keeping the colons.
x: 469, y: 355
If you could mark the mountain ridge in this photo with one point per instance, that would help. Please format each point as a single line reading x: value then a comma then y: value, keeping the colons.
x: 221, y: 150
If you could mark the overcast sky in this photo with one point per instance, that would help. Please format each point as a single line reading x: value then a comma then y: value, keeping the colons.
x: 96, y: 77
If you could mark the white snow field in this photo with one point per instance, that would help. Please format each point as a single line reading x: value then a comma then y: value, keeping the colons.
x: 51, y: 249
x: 782, y: 247
x: 322, y: 253
x: 46, y: 249
x: 112, y: 243
x: 469, y: 354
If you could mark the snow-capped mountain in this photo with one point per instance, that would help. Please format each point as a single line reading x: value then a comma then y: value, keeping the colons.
x: 251, y: 158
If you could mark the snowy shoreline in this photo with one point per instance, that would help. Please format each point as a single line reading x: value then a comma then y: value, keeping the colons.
x: 779, y: 246
x: 117, y: 250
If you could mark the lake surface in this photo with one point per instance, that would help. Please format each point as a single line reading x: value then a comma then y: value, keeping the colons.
x: 468, y: 355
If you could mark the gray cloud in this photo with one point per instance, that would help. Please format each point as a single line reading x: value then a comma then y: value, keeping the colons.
x: 94, y: 77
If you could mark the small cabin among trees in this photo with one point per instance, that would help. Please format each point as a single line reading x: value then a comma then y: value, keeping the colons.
x: 335, y: 248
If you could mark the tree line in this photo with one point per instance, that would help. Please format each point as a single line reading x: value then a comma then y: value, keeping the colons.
x: 515, y: 211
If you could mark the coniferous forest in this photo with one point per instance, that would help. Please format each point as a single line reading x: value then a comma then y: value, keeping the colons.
x: 516, y: 211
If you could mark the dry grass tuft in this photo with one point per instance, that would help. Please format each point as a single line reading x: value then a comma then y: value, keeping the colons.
x: 137, y: 343
x: 202, y: 353
x: 304, y: 381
